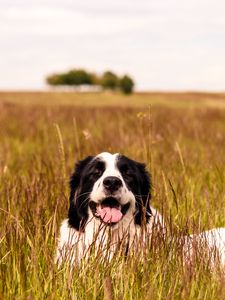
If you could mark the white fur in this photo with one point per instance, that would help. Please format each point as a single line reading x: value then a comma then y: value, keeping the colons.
x: 73, y: 245
x: 211, y: 243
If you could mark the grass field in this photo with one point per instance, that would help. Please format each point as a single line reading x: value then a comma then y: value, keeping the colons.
x: 180, y: 137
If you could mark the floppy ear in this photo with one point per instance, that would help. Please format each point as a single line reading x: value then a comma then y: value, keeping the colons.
x: 77, y: 217
x: 143, y: 209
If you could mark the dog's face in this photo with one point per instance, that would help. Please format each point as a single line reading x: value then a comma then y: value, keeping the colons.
x: 111, y: 188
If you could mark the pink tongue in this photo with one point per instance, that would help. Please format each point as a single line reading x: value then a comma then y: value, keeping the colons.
x: 109, y: 215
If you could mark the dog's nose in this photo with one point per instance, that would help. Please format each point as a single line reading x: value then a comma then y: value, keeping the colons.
x: 112, y: 183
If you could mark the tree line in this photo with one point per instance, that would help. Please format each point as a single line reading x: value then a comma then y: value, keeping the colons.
x: 79, y: 77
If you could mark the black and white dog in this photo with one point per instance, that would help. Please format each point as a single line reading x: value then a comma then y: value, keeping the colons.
x: 109, y: 202
x: 109, y: 197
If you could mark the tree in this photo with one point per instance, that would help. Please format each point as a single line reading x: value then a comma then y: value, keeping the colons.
x: 126, y: 84
x: 79, y: 77
x: 55, y: 79
x: 109, y: 81
x: 73, y: 77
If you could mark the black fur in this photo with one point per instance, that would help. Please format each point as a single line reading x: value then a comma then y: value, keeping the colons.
x: 87, y: 172
x: 138, y: 181
x: 77, y: 213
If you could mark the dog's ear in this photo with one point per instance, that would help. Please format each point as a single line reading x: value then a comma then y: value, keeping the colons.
x: 143, y: 203
x: 76, y: 176
x: 76, y: 217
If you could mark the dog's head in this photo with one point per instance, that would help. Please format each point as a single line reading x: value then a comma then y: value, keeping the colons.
x: 111, y: 188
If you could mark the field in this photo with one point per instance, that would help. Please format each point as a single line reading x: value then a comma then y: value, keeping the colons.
x: 180, y: 137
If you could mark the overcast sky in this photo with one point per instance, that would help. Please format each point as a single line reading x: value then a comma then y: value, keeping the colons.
x: 162, y: 44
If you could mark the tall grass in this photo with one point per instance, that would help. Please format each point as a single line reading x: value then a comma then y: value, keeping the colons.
x: 183, y: 148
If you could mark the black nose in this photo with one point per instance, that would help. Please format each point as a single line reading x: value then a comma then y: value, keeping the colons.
x: 112, y: 183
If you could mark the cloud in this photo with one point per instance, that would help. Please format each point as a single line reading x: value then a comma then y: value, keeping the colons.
x: 163, y: 44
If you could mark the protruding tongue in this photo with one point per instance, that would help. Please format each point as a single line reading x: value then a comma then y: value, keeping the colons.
x: 109, y: 214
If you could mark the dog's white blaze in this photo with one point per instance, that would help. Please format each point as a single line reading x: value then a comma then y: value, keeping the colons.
x: 98, y: 192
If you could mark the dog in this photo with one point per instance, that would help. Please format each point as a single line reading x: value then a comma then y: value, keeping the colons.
x: 110, y: 206
x: 109, y: 198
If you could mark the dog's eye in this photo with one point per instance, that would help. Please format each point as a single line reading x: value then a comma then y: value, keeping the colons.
x: 127, y: 172
x: 98, y: 169
x: 97, y: 172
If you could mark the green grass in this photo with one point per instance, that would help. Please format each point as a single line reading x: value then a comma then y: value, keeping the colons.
x: 180, y: 138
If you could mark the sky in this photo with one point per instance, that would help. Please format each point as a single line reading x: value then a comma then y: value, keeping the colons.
x: 162, y: 44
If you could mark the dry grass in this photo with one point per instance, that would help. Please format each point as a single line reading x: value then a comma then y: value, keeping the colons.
x: 181, y: 138
x: 107, y: 99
